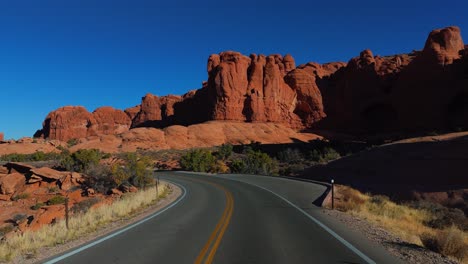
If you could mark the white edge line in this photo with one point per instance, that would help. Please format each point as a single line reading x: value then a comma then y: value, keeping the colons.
x: 326, y: 228
x: 69, y: 254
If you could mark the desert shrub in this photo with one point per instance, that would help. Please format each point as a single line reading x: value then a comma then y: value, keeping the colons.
x: 448, y: 242
x: 257, y: 162
x: 20, y: 196
x: 220, y: 167
x: 72, y: 142
x: 449, y: 217
x: 379, y: 199
x: 100, y: 178
x: 83, y: 206
x: 442, y: 217
x: 6, y: 229
x: 330, y: 154
x: 326, y: 154
x: 224, y: 151
x: 381, y: 205
x: 37, y: 206
x: 315, y: 155
x: 199, y: 160
x: 237, y: 166
x: 56, y: 200
x: 85, y: 158
x: 349, y: 199
x: 292, y: 169
x: 19, y: 217
x: 37, y: 156
x: 139, y: 170
x: 120, y: 174
x: 290, y: 156
x: 53, y: 189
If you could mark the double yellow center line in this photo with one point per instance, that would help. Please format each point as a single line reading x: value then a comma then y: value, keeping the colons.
x: 206, y: 255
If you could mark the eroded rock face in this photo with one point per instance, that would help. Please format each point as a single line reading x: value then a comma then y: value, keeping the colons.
x: 155, y: 111
x: 309, y: 98
x: 110, y: 121
x: 417, y: 91
x: 67, y: 122
x: 72, y: 122
x: 443, y: 46
x: 2, y: 136
x: 252, y: 89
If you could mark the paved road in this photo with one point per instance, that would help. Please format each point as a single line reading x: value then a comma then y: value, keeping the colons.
x: 236, y: 219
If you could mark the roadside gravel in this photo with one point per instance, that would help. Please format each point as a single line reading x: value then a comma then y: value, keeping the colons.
x: 409, y: 253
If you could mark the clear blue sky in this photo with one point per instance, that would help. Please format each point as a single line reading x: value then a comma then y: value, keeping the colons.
x: 96, y: 53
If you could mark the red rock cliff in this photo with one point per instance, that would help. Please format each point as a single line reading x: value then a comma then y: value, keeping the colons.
x: 422, y: 90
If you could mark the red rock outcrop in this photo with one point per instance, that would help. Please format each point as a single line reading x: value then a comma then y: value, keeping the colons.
x: 67, y: 122
x: 1, y: 137
x: 73, y: 122
x: 133, y: 111
x: 154, y: 110
x: 10, y: 183
x: 417, y: 91
x: 109, y: 121
x: 309, y: 99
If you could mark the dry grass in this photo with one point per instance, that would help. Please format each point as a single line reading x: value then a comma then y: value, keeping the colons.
x: 408, y: 223
x: 81, y: 224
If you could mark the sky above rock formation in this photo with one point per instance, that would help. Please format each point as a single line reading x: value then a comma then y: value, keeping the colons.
x: 96, y: 53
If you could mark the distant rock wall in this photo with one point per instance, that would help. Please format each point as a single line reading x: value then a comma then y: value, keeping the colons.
x: 422, y: 90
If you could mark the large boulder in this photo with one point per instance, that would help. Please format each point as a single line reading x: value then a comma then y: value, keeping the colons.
x: 11, y: 183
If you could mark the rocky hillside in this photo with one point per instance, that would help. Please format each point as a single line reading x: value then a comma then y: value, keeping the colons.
x: 420, y: 91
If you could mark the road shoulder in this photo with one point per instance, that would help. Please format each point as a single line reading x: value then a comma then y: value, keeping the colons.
x: 46, y: 253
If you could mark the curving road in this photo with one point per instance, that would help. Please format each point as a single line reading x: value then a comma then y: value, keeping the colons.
x: 234, y: 219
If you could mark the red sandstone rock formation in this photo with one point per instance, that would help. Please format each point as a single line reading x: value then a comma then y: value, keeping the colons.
x: 1, y: 136
x: 71, y: 122
x: 110, y: 121
x: 418, y: 91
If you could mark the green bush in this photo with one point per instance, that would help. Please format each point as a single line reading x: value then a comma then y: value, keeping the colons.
x: 56, y: 200
x: 224, y: 151
x: 140, y: 170
x: 199, y: 160
x: 255, y: 162
x: 37, y: 156
x: 325, y: 155
x: 83, y: 206
x: 72, y: 142
x: 37, y: 206
x: 290, y: 156
x: 20, y: 196
x: 80, y: 161
x: 237, y: 166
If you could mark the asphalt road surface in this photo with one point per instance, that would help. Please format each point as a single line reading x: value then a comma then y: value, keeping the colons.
x: 234, y: 219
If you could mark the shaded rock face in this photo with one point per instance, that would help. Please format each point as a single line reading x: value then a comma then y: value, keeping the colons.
x: 422, y: 90
x: 155, y: 111
x: 1, y: 136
